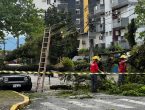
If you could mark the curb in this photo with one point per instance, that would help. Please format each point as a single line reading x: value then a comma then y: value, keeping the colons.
x: 19, y: 105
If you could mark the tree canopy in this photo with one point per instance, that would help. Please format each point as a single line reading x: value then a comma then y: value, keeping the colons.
x: 19, y: 17
x: 64, y: 41
x: 140, y: 11
x: 130, y: 35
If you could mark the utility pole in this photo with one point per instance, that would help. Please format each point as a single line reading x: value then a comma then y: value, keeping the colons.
x: 91, y: 37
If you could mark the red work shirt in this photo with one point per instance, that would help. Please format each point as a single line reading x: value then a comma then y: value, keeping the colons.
x: 94, y: 67
x: 122, y: 66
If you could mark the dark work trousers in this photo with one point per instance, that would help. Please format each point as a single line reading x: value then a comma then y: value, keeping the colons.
x: 93, y: 82
x: 121, y: 79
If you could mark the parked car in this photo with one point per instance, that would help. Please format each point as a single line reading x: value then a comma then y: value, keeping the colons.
x: 79, y: 58
x: 18, y: 82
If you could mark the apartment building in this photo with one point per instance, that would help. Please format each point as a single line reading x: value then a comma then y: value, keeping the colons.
x: 111, y: 18
x: 100, y: 22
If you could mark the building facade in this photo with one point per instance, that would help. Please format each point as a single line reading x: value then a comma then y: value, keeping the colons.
x: 101, y: 23
x: 110, y: 20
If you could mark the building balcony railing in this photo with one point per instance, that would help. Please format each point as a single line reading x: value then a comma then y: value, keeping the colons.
x: 100, y: 9
x: 100, y: 28
x: 120, y: 3
x: 123, y: 43
x: 120, y: 22
x: 62, y: 6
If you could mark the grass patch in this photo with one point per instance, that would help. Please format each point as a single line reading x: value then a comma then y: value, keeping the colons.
x: 8, y: 98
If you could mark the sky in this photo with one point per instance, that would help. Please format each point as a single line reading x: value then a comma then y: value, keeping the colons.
x: 11, y: 42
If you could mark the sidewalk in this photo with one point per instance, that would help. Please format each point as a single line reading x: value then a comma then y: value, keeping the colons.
x: 8, y: 98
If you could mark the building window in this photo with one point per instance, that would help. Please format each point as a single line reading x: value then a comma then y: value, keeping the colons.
x: 77, y: 11
x: 83, y: 42
x: 106, y: 33
x: 77, y: 2
x: 48, y: 1
x: 78, y: 21
x: 101, y: 1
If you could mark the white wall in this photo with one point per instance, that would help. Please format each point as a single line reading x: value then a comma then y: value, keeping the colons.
x: 108, y: 22
x: 42, y: 4
x: 85, y: 38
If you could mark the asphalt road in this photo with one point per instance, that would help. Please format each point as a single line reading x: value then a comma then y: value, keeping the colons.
x: 98, y: 102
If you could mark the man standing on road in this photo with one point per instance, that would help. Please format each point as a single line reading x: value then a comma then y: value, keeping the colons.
x: 94, y: 70
x: 122, y: 69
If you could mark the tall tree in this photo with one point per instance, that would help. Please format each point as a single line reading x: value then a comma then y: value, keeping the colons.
x: 130, y: 35
x: 19, y: 17
x: 63, y: 38
x: 140, y: 11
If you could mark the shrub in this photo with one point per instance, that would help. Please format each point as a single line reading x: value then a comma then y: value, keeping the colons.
x: 83, y: 51
x: 81, y: 66
x: 132, y: 93
x: 130, y: 86
x: 142, y: 90
x: 136, y: 78
x: 67, y: 63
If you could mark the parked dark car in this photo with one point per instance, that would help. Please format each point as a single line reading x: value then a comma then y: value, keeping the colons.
x: 18, y: 82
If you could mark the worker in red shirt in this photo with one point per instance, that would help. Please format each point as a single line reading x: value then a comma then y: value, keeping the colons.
x: 94, y: 70
x: 122, y: 69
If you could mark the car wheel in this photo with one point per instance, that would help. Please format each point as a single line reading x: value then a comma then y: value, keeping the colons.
x: 28, y: 87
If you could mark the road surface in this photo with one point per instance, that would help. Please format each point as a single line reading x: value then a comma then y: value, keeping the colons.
x: 98, y: 102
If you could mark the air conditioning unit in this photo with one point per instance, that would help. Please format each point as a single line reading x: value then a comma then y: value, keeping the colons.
x: 116, y: 12
x: 101, y: 37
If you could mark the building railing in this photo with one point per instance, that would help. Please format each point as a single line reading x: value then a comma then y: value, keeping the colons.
x: 120, y: 22
x: 100, y: 27
x: 121, y: 3
x: 100, y: 9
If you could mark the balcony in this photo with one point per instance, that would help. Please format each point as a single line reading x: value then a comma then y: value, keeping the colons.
x: 100, y: 9
x: 120, y: 3
x: 123, y: 43
x: 120, y: 22
x: 62, y: 7
x: 100, y: 28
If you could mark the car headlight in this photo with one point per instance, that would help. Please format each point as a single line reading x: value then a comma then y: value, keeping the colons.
x: 25, y: 79
x: 5, y: 79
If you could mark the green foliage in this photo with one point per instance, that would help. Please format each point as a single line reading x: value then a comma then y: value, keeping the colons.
x: 136, y: 78
x: 110, y: 86
x: 130, y: 86
x: 137, y: 59
x: 19, y: 18
x: 64, y: 41
x: 67, y: 63
x: 131, y: 93
x: 142, y: 90
x: 81, y: 66
x: 130, y: 35
x: 139, y: 10
x: 83, y: 51
x: 115, y: 48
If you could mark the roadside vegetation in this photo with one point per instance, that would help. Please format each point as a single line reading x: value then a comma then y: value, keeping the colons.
x: 8, y: 98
